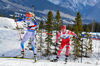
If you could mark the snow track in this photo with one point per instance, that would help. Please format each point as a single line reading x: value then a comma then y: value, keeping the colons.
x: 23, y: 62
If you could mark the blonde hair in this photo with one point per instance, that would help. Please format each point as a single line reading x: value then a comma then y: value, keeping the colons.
x: 31, y: 13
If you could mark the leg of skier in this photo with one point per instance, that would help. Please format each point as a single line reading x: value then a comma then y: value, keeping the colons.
x: 67, y: 50
x: 59, y: 51
x: 33, y: 45
x: 25, y: 38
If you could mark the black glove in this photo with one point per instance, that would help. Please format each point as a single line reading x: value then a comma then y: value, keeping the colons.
x: 57, y: 44
x: 29, y: 26
x: 80, y: 39
x: 15, y: 20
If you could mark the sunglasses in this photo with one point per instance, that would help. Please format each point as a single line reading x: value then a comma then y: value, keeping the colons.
x: 27, y: 17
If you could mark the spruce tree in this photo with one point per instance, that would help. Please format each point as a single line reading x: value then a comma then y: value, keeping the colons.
x: 41, y: 42
x: 96, y: 27
x: 41, y: 26
x: 58, y: 21
x: 69, y: 27
x: 87, y: 29
x: 78, y: 28
x: 88, y: 42
x: 90, y: 47
x: 14, y: 16
x: 75, y: 43
x: 93, y: 26
x: 48, y: 28
x: 1, y: 15
x: 57, y: 25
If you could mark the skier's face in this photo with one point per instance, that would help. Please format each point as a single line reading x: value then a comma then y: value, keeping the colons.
x: 28, y: 18
x: 63, y: 30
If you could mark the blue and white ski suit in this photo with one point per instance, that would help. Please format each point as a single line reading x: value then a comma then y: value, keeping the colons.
x: 30, y: 32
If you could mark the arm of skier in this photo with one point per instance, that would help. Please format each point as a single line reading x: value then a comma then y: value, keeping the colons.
x: 72, y: 33
x: 19, y: 20
x: 35, y: 23
x: 34, y: 26
x: 58, y: 36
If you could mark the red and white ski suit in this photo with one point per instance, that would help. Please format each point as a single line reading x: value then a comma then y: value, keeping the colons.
x: 65, y: 41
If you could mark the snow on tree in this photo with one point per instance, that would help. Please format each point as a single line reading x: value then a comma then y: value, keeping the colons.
x: 57, y: 26
x: 48, y: 28
x: 88, y: 43
x: 78, y: 28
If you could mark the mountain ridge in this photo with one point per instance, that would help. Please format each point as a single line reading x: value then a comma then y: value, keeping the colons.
x: 20, y: 6
x: 88, y: 8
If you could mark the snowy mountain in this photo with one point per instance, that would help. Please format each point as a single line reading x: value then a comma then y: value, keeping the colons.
x: 10, y: 46
x: 88, y: 8
x: 40, y: 5
x: 20, y: 7
x: 75, y: 5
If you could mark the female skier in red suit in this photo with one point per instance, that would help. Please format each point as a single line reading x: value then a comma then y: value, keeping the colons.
x: 65, y: 41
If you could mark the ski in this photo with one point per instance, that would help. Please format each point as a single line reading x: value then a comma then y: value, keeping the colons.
x: 54, y: 60
x: 17, y: 57
x: 57, y: 61
x: 66, y: 60
x: 35, y: 61
x: 51, y: 60
x: 65, y: 63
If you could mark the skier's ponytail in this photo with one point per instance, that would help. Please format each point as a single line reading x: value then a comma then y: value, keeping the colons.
x: 31, y: 14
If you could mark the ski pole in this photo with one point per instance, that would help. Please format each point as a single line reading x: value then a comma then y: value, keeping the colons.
x: 45, y: 32
x: 90, y: 51
x: 19, y: 31
x: 39, y: 30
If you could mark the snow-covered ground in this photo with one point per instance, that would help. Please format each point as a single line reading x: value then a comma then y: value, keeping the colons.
x: 10, y: 46
x: 20, y: 62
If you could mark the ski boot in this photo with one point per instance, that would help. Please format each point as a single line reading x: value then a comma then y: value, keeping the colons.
x: 21, y: 55
x: 66, y: 59
x: 35, y: 57
x: 55, y: 60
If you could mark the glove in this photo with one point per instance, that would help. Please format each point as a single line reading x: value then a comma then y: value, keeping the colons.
x: 29, y: 26
x: 80, y: 39
x: 57, y: 44
x: 15, y: 20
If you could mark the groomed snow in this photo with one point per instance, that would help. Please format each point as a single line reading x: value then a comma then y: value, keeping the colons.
x: 10, y: 46
x: 22, y: 62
